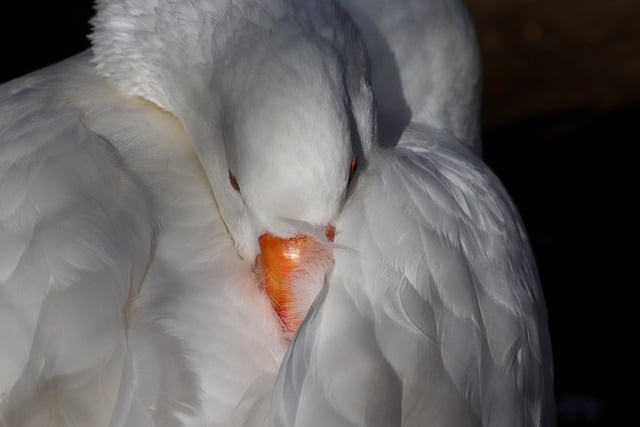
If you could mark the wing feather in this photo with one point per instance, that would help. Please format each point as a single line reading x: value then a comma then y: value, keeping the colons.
x: 117, y: 316
x: 75, y: 240
x: 433, y: 309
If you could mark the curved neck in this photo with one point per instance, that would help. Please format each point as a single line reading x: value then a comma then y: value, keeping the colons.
x: 425, y: 64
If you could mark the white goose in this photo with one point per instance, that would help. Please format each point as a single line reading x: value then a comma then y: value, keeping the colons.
x: 168, y: 203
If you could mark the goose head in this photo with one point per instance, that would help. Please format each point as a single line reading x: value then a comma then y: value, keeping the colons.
x: 276, y: 100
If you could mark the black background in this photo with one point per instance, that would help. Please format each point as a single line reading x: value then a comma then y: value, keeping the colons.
x: 556, y: 135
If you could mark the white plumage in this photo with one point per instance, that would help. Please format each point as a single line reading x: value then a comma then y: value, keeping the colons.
x: 128, y: 295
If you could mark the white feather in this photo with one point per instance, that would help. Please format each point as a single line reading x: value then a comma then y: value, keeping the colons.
x: 76, y: 309
x: 432, y: 311
x: 425, y: 65
x: 127, y: 290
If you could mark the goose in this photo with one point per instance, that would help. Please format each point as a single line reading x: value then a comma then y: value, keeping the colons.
x: 252, y: 213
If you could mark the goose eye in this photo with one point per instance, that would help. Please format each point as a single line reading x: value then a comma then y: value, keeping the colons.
x: 234, y: 182
x: 353, y: 167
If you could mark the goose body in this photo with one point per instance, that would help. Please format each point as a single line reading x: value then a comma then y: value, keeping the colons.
x: 140, y: 180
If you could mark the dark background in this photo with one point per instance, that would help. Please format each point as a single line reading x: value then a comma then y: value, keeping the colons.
x: 560, y: 113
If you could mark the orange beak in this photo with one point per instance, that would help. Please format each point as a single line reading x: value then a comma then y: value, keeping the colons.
x: 292, y: 272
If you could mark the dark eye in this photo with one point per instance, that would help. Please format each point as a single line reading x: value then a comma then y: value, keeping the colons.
x: 234, y: 182
x: 353, y: 167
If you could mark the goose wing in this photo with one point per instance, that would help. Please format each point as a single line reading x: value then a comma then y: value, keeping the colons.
x: 433, y: 314
x: 76, y: 238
